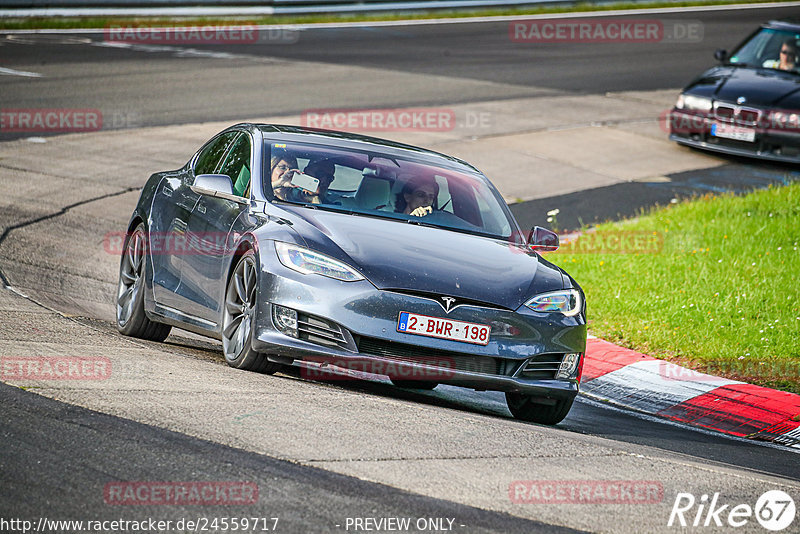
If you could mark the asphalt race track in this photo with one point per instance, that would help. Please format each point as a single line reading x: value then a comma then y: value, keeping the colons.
x: 462, y: 63
x: 320, y: 453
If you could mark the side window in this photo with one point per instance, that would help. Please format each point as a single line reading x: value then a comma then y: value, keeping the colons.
x: 237, y: 165
x: 211, y: 154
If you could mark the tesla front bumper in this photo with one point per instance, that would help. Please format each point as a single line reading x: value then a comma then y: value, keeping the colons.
x: 354, y: 325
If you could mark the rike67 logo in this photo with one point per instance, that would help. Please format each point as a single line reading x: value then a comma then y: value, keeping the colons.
x: 774, y: 510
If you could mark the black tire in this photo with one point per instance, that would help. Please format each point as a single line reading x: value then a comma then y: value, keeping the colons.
x: 131, y: 318
x: 241, y: 299
x: 414, y: 384
x: 525, y: 408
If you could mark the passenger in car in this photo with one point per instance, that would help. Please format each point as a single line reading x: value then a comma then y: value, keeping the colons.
x: 787, y: 59
x: 323, y: 170
x: 418, y: 197
x: 280, y: 165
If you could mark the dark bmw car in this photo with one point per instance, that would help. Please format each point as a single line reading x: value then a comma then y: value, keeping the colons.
x: 324, y: 249
x: 749, y: 105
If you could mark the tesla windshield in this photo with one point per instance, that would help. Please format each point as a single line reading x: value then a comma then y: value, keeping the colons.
x: 380, y: 185
x: 770, y: 48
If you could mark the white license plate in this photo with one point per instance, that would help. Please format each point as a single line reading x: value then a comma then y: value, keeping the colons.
x: 425, y: 325
x: 733, y: 132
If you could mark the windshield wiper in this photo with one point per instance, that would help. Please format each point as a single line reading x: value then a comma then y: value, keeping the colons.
x: 421, y: 223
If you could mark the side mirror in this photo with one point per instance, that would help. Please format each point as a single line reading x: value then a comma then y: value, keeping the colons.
x: 542, y: 240
x: 216, y: 185
x: 721, y: 54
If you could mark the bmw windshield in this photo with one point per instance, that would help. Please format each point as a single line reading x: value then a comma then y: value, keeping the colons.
x: 380, y: 185
x: 769, y: 48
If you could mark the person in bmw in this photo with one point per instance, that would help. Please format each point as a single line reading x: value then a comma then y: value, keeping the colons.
x: 787, y: 59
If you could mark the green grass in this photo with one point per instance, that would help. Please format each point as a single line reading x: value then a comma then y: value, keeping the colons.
x: 29, y: 23
x: 722, y: 295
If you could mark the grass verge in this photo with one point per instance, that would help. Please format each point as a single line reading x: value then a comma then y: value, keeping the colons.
x: 710, y: 283
x: 31, y: 23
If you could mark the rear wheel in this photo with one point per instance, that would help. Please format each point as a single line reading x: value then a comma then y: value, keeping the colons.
x: 528, y: 408
x: 414, y: 384
x: 241, y: 297
x: 131, y: 319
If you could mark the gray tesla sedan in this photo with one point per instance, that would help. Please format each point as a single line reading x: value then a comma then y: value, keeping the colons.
x: 344, y: 254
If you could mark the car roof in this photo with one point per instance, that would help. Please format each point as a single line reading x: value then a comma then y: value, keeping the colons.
x: 792, y: 24
x: 333, y: 138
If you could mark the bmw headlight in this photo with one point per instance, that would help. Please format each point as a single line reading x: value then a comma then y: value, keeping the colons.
x: 307, y: 261
x: 694, y: 103
x: 566, y: 301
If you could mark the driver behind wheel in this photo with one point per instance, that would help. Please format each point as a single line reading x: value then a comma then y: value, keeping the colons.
x: 787, y: 60
x: 418, y: 197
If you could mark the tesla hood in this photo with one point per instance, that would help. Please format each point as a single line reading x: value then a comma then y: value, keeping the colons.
x: 408, y: 257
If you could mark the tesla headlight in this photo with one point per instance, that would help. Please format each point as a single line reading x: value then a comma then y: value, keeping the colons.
x: 566, y: 301
x: 307, y: 261
x: 692, y: 102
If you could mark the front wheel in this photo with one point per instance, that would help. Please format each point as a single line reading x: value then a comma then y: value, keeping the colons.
x: 131, y: 319
x: 526, y: 408
x: 241, y: 298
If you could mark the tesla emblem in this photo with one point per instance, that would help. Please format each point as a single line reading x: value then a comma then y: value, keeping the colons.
x: 447, y: 303
x: 741, y: 100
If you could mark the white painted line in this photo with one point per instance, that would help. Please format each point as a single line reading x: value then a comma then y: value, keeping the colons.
x: 178, y: 51
x: 12, y: 72
x: 791, y: 438
x: 244, y: 11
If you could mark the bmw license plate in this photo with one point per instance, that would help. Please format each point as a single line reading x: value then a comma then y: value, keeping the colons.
x: 425, y: 325
x: 733, y: 132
